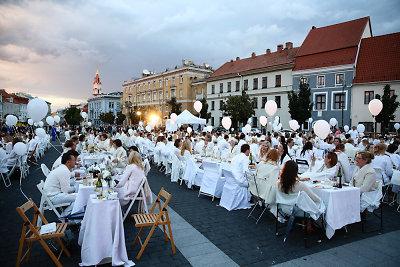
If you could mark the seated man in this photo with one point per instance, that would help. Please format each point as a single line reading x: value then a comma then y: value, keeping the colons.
x: 240, y: 165
x: 57, y: 184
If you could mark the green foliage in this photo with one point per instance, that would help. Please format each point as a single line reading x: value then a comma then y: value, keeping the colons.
x: 239, y: 108
x: 73, y: 116
x: 204, y: 114
x: 389, y: 107
x: 107, y: 117
x: 300, y: 105
x: 120, y: 118
x: 175, y: 106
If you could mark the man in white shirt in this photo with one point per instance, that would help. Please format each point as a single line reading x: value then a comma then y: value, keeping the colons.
x: 353, y: 133
x: 57, y: 184
x: 290, y: 144
x: 343, y: 161
x: 240, y: 164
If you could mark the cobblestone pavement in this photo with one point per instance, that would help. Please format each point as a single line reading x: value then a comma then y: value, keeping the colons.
x: 228, y: 235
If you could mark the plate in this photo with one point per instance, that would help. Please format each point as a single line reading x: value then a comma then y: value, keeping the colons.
x: 321, y: 186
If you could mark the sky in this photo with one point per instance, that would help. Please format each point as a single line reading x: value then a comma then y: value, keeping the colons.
x: 51, y: 49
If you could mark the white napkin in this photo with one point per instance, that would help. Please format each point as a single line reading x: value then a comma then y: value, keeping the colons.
x: 48, y: 228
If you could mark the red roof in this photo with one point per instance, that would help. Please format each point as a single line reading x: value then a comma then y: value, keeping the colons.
x: 85, y: 108
x: 5, y: 96
x: 331, y: 45
x: 274, y: 59
x: 379, y: 59
x: 16, y: 99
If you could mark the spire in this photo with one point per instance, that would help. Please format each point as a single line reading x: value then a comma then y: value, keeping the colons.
x: 97, y: 84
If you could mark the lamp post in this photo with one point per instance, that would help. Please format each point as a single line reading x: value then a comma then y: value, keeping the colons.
x: 342, y: 104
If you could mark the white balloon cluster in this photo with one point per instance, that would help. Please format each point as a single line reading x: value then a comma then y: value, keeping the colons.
x: 148, y: 128
x: 89, y: 123
x: 30, y: 122
x: 346, y: 128
x: 361, y: 128
x: 41, y: 123
x: 209, y: 128
x: 37, y: 109
x: 276, y: 125
x: 11, y: 120
x: 189, y: 129
x: 84, y: 115
x: 174, y: 117
x: 397, y: 126
x: 375, y: 107
x: 130, y: 132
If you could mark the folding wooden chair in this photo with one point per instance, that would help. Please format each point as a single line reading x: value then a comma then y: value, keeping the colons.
x: 31, y: 233
x: 154, y: 220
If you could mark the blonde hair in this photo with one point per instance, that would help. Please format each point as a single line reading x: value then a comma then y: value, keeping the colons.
x: 380, y: 149
x: 135, y: 158
x: 260, y: 153
x: 186, y: 146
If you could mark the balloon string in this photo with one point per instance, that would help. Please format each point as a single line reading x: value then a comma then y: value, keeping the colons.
x: 20, y: 183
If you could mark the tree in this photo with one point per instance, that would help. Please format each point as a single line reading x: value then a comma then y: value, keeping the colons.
x: 175, y: 106
x: 300, y: 105
x: 204, y: 114
x: 239, y: 108
x: 73, y: 116
x: 389, y: 107
x: 107, y: 117
x: 120, y: 118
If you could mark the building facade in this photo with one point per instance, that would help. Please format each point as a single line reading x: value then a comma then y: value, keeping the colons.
x: 378, y: 65
x: 13, y: 104
x: 265, y: 77
x: 326, y: 61
x: 103, y: 103
x: 152, y: 91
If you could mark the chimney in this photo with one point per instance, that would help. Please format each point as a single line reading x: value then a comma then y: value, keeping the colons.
x: 231, y: 60
x: 289, y: 45
x: 183, y: 62
x: 253, y: 55
x: 279, y: 48
x: 268, y: 51
x: 313, y: 27
x: 237, y: 58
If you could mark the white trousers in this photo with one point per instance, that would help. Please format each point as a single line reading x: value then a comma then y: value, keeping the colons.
x: 64, y: 198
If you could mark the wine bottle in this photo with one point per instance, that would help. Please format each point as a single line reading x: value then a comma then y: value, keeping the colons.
x: 251, y: 159
x: 99, y: 184
x: 339, y: 175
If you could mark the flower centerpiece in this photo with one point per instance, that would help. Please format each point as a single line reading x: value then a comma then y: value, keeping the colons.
x: 91, y: 149
x: 95, y: 169
x: 107, y: 177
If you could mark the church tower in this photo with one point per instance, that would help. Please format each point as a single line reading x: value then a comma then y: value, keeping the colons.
x: 97, y: 84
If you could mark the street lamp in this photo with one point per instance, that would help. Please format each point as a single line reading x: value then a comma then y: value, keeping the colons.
x: 139, y: 114
x: 344, y: 99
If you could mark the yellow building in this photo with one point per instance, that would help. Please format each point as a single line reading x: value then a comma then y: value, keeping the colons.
x: 150, y: 93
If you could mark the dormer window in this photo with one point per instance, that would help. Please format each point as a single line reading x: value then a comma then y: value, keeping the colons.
x: 11, y: 100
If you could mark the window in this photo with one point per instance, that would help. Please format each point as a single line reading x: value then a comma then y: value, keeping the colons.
x: 278, y: 101
x: 166, y: 94
x: 278, y: 80
x: 166, y: 108
x: 339, y: 79
x: 213, y: 89
x: 180, y: 93
x: 321, y: 81
x: 320, y: 102
x: 154, y: 84
x: 254, y: 122
x: 154, y: 96
x: 368, y: 96
x: 221, y: 103
x: 305, y: 125
x: 173, y: 93
x: 160, y: 84
x: 237, y: 86
x: 160, y: 95
x: 264, y: 100
x: 221, y: 87
x: 212, y: 105
x: 166, y: 81
x: 246, y: 84
x: 229, y: 86
x: 255, y: 102
x: 339, y: 99
x: 173, y: 80
x: 202, y: 90
x: 149, y: 95
x: 264, y: 82
x: 144, y: 97
x: 181, y: 79
x: 303, y: 80
x: 212, y: 120
x: 255, y: 83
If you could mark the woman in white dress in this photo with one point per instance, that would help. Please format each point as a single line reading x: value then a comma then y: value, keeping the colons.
x: 128, y: 182
x: 267, y: 175
x: 327, y: 170
x: 119, y: 154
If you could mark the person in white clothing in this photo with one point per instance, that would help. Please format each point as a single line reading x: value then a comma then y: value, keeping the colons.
x: 343, y: 161
x: 353, y: 133
x: 283, y: 155
x: 57, y: 184
x: 240, y: 165
x: 364, y: 175
x: 119, y: 154
x: 325, y: 171
x: 382, y: 162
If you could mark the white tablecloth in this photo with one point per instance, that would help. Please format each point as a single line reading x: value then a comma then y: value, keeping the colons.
x: 102, y: 234
x: 82, y: 197
x: 342, y: 207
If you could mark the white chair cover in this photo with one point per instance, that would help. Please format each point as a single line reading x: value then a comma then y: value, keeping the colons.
x: 285, y: 201
x: 212, y: 182
x: 193, y: 174
x: 234, y: 195
x: 371, y: 200
x: 176, y: 168
x: 306, y: 204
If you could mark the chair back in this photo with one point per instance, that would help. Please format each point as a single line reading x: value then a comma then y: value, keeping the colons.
x: 372, y: 200
x: 45, y: 170
x: 166, y: 198
x: 24, y: 208
x: 211, y: 168
x: 379, y: 175
x: 285, y: 202
x: 302, y: 162
x: 229, y: 178
x: 3, y: 165
x: 306, y: 204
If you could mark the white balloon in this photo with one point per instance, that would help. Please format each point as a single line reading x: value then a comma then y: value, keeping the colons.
x: 179, y: 124
x: 20, y: 148
x: 396, y: 126
x: 209, y: 128
x: 130, y: 132
x: 346, y: 128
x: 247, y: 127
x: 37, y: 109
x: 276, y: 129
x: 35, y: 124
x: 41, y: 123
x: 50, y: 120
x: 11, y: 120
x: 89, y: 124
x: 375, y: 107
x: 174, y: 117
x: 148, y: 128
x: 30, y: 122
x: 269, y: 123
x: 263, y: 120
x: 84, y: 115
x: 198, y: 106
x: 56, y: 119
x: 310, y: 120
x: 40, y: 132
x: 280, y: 126
x: 226, y: 122
x: 360, y: 128
x: 189, y: 129
x: 271, y: 107
x: 277, y: 118
x: 322, y: 128
x: 232, y: 129
x: 294, y: 125
x: 333, y: 122
x: 140, y: 123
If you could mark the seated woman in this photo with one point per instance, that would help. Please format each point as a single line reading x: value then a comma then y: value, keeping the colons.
x: 383, y: 162
x: 186, y: 150
x: 327, y: 170
x: 364, y: 175
x: 306, y: 153
x: 130, y: 179
x: 262, y: 154
x: 266, y: 176
x: 119, y: 154
x: 283, y: 155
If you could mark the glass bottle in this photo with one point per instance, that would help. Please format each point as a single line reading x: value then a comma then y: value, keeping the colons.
x: 251, y: 159
x: 339, y: 175
x: 99, y: 184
